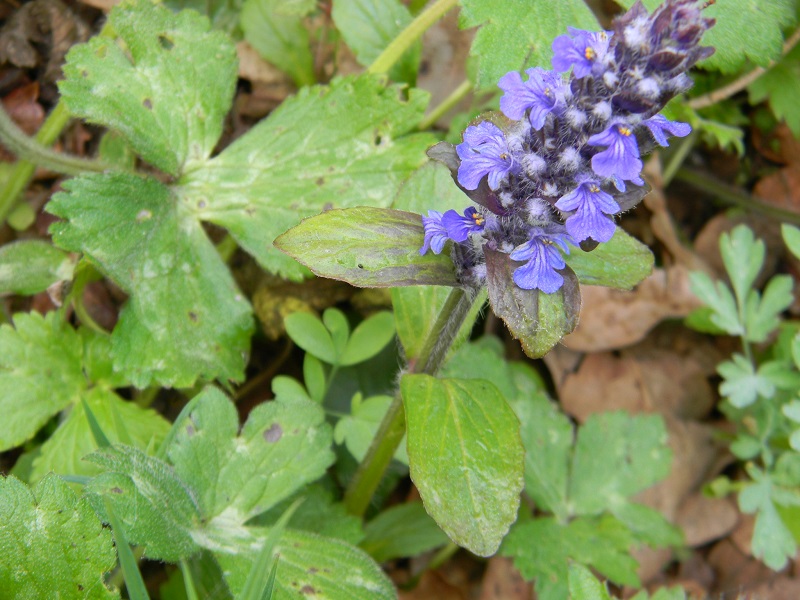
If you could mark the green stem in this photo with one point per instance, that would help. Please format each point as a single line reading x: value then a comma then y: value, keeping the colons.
x: 30, y: 149
x: 409, y: 35
x: 393, y: 427
x: 22, y: 171
x: 677, y: 158
x: 456, y: 96
x: 735, y: 196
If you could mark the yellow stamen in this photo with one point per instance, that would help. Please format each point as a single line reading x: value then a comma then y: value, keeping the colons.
x: 504, y: 156
x: 626, y: 131
x: 589, y: 53
x: 594, y: 189
x: 478, y: 218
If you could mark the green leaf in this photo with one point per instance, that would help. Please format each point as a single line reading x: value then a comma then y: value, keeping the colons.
x: 167, y: 92
x: 617, y: 455
x: 791, y: 237
x: 358, y: 429
x: 373, y: 248
x: 318, y: 514
x: 675, y: 593
x: 743, y: 256
x: 314, y: 377
x: 282, y: 446
x: 64, y: 450
x: 517, y: 34
x: 289, y: 388
x: 280, y: 38
x: 308, y: 332
x: 224, y: 14
x: 542, y: 549
x: 719, y: 299
x: 185, y: 320
x: 547, y: 435
x: 762, y: 315
x: 339, y: 146
x: 311, y: 564
x: 52, y: 543
x: 742, y: 384
x: 339, y: 327
x: 746, y: 30
x: 466, y: 457
x: 648, y: 525
x: 584, y: 586
x: 403, y: 530
x: 369, y: 338
x: 40, y: 374
x: 369, y: 26
x: 154, y: 506
x: 772, y: 541
x: 621, y: 263
x: 31, y: 266
x: 781, y: 86
x: 536, y: 319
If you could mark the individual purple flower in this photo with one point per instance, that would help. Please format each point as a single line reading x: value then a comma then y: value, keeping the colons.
x: 484, y: 152
x: 435, y: 233
x: 580, y: 50
x: 544, y: 258
x: 592, y: 207
x: 458, y: 228
x: 539, y: 94
x: 659, y: 124
x: 620, y: 160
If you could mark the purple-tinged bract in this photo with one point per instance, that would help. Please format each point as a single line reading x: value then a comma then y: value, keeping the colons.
x: 484, y: 152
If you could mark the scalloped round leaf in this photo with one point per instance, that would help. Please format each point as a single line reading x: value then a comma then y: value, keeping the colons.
x: 185, y: 320
x: 466, y: 457
x: 536, y: 319
x: 338, y: 146
x: 367, y: 247
x: 38, y: 533
x: 166, y: 85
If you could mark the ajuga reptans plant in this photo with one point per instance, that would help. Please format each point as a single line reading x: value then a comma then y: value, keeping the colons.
x: 566, y: 156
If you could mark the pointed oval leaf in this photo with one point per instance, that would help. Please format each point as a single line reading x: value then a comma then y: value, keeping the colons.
x: 308, y: 332
x: 466, y: 457
x: 367, y: 247
x: 536, y: 319
x: 620, y: 263
x: 31, y: 266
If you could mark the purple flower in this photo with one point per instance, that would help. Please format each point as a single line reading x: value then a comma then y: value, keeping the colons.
x: 543, y: 256
x: 458, y: 228
x: 659, y: 124
x: 620, y: 160
x: 435, y: 233
x: 591, y: 206
x: 581, y: 49
x: 539, y: 94
x: 484, y: 152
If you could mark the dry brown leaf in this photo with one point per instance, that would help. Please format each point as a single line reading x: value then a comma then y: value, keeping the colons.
x: 432, y: 586
x: 781, y: 188
x: 666, y: 374
x: 502, y: 581
x: 104, y: 5
x: 614, y: 318
x: 736, y: 573
x: 23, y: 107
x: 705, y: 519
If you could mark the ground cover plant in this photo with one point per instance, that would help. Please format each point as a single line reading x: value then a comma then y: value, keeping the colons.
x: 352, y: 299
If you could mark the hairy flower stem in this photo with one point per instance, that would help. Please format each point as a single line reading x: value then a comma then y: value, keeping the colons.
x: 32, y: 150
x: 391, y: 430
x: 409, y: 35
x: 22, y: 170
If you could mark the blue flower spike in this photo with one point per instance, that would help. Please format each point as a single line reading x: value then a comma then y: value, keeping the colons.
x: 592, y: 207
x: 540, y: 94
x: 543, y: 255
x: 484, y: 152
x: 581, y: 50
